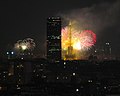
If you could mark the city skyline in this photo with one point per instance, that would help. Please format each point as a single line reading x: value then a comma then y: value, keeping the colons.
x: 21, y: 20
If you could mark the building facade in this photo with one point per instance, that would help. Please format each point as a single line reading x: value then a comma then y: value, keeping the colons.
x: 54, y: 38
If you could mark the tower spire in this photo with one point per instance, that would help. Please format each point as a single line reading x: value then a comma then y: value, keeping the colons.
x: 70, y: 24
x: 70, y: 55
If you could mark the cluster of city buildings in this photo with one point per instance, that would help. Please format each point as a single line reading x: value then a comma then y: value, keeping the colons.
x: 54, y: 51
x: 27, y: 71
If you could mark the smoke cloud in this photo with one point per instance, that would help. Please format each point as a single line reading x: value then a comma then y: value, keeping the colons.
x: 97, y: 17
x: 102, y: 18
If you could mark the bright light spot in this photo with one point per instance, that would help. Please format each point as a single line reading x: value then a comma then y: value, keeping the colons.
x: 7, y: 53
x: 95, y: 51
x: 105, y: 87
x: 4, y: 72
x: 73, y: 74
x: 18, y: 88
x: 64, y: 63
x: 44, y: 76
x: 57, y: 77
x: 34, y: 70
x: 0, y: 88
x: 77, y: 90
x: 9, y: 74
x: 107, y: 43
x: 12, y: 52
x: 77, y: 46
x: 24, y: 47
x: 90, y: 81
x: 17, y: 66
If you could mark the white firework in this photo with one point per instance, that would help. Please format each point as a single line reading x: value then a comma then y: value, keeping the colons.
x: 26, y: 44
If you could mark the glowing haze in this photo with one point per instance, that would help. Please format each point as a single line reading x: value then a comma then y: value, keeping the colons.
x: 101, y: 18
x: 81, y: 41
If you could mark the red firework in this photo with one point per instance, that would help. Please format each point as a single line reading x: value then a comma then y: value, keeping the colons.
x: 87, y: 38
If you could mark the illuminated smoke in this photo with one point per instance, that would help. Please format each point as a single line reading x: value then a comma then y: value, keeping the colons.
x: 81, y: 41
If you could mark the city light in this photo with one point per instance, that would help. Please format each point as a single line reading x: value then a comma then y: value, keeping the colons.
x: 77, y: 90
x: 73, y: 74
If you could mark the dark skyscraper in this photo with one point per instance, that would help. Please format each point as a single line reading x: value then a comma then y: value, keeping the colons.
x: 54, y: 38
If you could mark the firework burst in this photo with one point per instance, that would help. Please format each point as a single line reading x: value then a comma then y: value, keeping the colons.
x: 87, y: 39
x: 80, y: 40
x: 26, y: 44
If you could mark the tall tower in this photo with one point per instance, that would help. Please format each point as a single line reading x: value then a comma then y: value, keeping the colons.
x: 70, y: 55
x: 54, y: 38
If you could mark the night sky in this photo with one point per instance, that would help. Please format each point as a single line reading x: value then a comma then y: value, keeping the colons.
x: 22, y: 19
